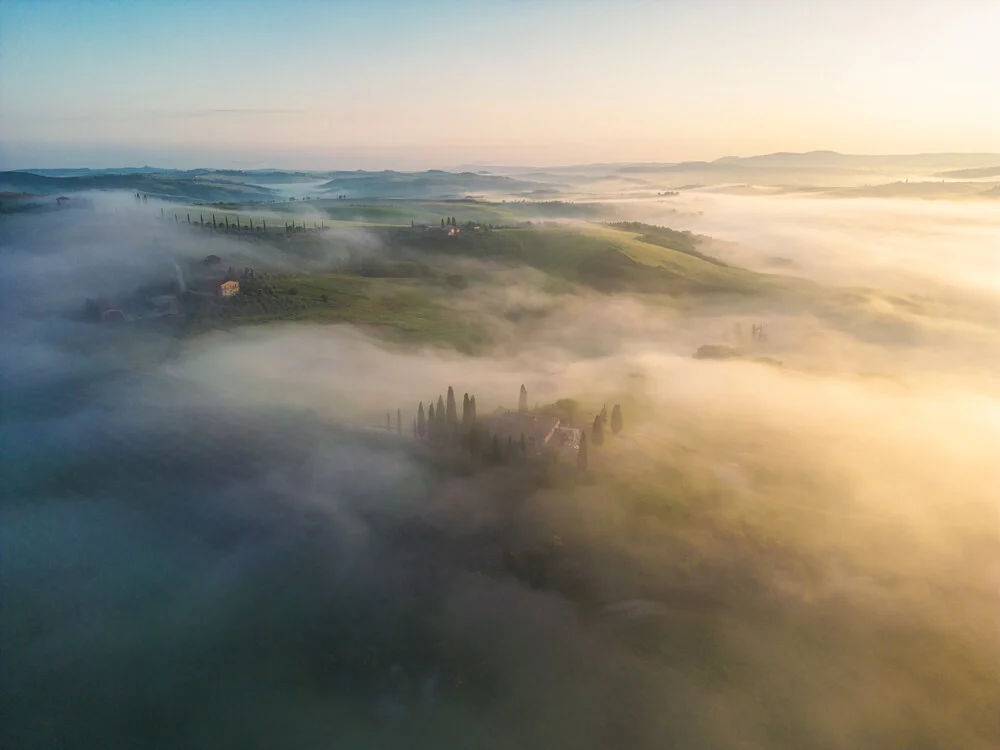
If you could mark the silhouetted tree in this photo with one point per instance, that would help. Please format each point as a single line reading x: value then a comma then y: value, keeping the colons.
x: 616, y: 419
x: 440, y: 423
x: 421, y: 422
x: 597, y: 433
x: 431, y: 423
x: 604, y: 414
x: 522, y: 401
x: 581, y: 454
x: 442, y: 223
x: 466, y: 412
x: 452, y: 410
x: 472, y: 408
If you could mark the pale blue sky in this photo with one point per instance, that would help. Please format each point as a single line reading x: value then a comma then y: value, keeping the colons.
x: 382, y: 84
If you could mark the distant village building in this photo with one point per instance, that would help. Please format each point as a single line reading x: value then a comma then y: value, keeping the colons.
x: 228, y: 288
x: 565, y: 440
x: 538, y: 431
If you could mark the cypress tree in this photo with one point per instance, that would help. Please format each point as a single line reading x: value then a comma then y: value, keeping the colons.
x: 465, y: 410
x: 452, y: 413
x: 472, y: 409
x: 581, y: 454
x: 616, y: 419
x: 597, y: 433
x: 421, y: 422
x: 522, y: 401
x: 439, y: 415
x: 442, y: 223
x: 604, y: 414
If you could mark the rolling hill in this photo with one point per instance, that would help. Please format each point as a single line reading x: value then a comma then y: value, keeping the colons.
x: 167, y: 186
x: 433, y: 183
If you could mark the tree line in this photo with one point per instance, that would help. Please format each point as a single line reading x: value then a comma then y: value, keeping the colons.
x: 441, y: 426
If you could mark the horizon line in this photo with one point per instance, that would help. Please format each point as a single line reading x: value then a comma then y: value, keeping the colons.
x: 468, y: 165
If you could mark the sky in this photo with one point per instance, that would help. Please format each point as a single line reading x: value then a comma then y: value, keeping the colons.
x: 390, y: 84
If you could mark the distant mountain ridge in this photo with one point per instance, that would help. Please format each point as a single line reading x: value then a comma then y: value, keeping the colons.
x: 171, y: 186
x: 213, y: 185
x: 783, y: 169
x: 973, y: 173
x: 433, y: 183
x: 828, y: 160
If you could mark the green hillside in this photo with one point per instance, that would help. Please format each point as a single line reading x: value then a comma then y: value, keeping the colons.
x: 433, y: 183
x: 604, y: 258
x: 168, y: 186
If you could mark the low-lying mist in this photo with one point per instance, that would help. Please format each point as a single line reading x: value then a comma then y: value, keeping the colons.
x: 207, y: 544
x: 885, y: 243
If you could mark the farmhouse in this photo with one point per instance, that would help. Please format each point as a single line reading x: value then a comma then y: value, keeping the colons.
x: 565, y: 440
x: 227, y: 288
x: 538, y: 431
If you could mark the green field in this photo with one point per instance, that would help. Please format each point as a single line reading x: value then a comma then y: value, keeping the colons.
x: 405, y: 288
x: 401, y: 212
x: 401, y: 309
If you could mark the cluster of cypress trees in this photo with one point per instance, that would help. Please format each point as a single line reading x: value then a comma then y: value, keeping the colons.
x: 441, y: 424
x: 597, y: 432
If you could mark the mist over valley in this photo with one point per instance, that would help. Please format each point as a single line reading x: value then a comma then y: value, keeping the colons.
x: 510, y: 376
x: 220, y: 502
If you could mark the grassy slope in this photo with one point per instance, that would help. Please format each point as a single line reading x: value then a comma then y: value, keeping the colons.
x: 418, y: 307
x: 401, y: 212
x: 604, y: 258
x: 410, y: 309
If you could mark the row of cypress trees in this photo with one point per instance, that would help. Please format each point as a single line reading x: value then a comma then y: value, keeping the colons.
x: 597, y: 433
x: 617, y: 424
x: 442, y: 421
